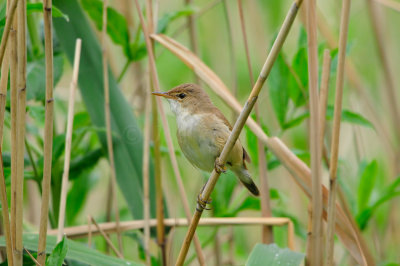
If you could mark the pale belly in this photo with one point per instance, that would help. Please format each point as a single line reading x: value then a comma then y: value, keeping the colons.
x: 198, y: 143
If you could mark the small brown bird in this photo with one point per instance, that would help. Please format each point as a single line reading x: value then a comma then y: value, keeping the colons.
x: 203, y: 131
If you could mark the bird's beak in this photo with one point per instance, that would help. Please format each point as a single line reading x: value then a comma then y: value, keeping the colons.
x: 163, y: 94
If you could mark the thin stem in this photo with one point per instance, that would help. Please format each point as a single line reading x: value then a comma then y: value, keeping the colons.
x: 7, y: 28
x: 192, y: 34
x: 124, y: 69
x: 108, y: 120
x: 68, y: 140
x: 21, y: 110
x: 3, y: 193
x: 344, y: 25
x: 48, y: 130
x: 207, y: 190
x: 108, y: 240
x: 110, y: 227
x: 89, y: 230
x: 31, y: 160
x: 323, y: 97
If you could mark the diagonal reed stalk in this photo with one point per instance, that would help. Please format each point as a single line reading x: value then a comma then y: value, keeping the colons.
x: 315, y: 150
x: 156, y: 138
x: 206, y: 192
x: 48, y: 130
x: 3, y: 193
x: 344, y: 26
x: 323, y: 96
x: 7, y: 28
x: 68, y: 139
x: 113, y: 181
x: 390, y: 4
x: 267, y: 233
x: 146, y: 178
x: 21, y: 106
x: 108, y: 240
x: 14, y: 101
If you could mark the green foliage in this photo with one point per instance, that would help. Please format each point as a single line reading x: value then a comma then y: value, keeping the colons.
x: 128, y: 138
x: 76, y: 251
x: 278, y: 84
x: 36, y: 79
x: 272, y: 255
x: 167, y: 18
x: 38, y: 7
x: 367, y: 182
x: 350, y: 117
x: 58, y: 254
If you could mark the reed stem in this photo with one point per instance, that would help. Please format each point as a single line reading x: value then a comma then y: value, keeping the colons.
x: 315, y: 149
x: 108, y: 121
x: 344, y: 25
x: 206, y: 192
x: 7, y: 28
x: 68, y: 139
x: 108, y: 240
x: 48, y: 130
x: 21, y: 106
x: 323, y: 97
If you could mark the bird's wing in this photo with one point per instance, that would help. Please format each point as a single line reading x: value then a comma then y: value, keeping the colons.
x: 219, y: 114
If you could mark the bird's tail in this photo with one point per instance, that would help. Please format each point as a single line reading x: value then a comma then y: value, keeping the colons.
x: 245, y: 178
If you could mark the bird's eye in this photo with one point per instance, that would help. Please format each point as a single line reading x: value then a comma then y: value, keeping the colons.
x: 181, y: 95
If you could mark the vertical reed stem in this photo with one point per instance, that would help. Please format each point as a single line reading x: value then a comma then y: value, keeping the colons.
x: 14, y: 103
x: 267, y: 232
x: 48, y: 129
x: 3, y: 193
x: 344, y: 25
x: 146, y: 178
x: 323, y: 97
x: 108, y: 123
x: 315, y: 150
x: 7, y: 28
x: 191, y: 25
x: 156, y: 138
x: 21, y: 87
x: 68, y: 139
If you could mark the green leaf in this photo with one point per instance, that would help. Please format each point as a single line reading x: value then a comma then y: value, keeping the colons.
x: 117, y: 26
x: 58, y: 254
x: 249, y: 203
x: 38, y: 7
x: 167, y: 18
x: 296, y: 121
x: 128, y: 139
x: 36, y: 79
x: 367, y: 183
x: 278, y: 88
x: 222, y: 193
x: 76, y: 251
x: 298, y: 84
x: 272, y: 255
x: 350, y: 117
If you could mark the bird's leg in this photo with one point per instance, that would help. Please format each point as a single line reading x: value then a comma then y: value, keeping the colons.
x: 219, y: 167
x: 202, y: 204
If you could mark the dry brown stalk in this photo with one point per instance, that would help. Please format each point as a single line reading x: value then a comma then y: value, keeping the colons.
x: 309, y: 234
x: 68, y: 139
x: 267, y: 233
x: 110, y: 227
x: 192, y: 33
x: 48, y: 130
x: 208, y: 188
x: 387, y: 71
x: 21, y: 106
x: 315, y: 149
x: 390, y: 3
x: 3, y: 194
x: 108, y: 240
x: 32, y: 257
x: 156, y: 139
x: 344, y: 25
x: 108, y: 121
x: 146, y: 177
x: 14, y: 101
x: 7, y: 28
x: 323, y: 97
x: 300, y: 171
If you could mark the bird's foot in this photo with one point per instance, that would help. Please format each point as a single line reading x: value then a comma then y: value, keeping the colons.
x: 202, y: 204
x: 219, y: 167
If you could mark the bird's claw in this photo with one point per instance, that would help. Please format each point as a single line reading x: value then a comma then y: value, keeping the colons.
x: 203, y: 203
x: 219, y: 167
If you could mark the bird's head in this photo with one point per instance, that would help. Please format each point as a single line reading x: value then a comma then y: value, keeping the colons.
x: 185, y: 98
